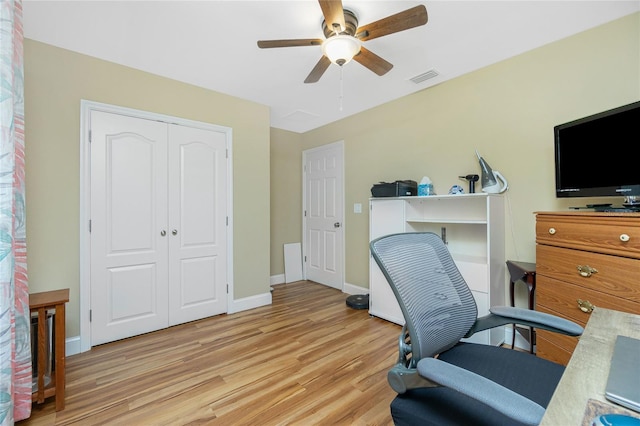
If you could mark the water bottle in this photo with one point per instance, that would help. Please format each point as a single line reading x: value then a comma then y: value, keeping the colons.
x: 425, y: 187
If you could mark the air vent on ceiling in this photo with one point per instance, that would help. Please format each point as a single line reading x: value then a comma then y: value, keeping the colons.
x: 425, y: 76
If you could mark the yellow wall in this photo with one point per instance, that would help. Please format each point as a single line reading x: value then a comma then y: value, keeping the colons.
x: 286, y: 174
x: 55, y: 82
x: 507, y: 111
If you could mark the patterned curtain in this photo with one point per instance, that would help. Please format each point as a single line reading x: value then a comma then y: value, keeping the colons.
x: 15, y: 342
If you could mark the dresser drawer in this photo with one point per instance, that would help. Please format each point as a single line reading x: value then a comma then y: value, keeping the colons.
x: 616, y: 235
x: 615, y: 276
x: 549, y: 349
x: 561, y: 299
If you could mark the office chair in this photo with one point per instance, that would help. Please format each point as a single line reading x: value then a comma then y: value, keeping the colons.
x: 441, y: 380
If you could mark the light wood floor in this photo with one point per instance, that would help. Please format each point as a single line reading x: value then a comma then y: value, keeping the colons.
x: 308, y: 359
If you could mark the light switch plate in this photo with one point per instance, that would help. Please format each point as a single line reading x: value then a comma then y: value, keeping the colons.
x: 357, y: 208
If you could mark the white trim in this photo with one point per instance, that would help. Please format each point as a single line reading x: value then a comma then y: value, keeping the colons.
x: 339, y: 144
x: 276, y: 279
x: 250, y: 302
x: 85, y: 204
x: 72, y: 346
x: 354, y: 289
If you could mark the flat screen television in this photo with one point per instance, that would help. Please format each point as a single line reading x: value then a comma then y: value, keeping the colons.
x: 594, y: 155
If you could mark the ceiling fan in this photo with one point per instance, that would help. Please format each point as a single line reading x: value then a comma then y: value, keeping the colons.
x: 343, y: 37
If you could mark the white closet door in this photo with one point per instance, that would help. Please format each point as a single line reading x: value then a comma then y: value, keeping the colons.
x: 197, y: 224
x: 128, y: 218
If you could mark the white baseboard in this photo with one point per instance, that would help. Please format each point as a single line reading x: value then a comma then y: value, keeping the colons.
x: 250, y: 303
x: 277, y: 279
x: 72, y: 346
x: 347, y: 288
x: 354, y: 289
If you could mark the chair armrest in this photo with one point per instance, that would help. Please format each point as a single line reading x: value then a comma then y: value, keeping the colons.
x: 506, y: 401
x: 501, y: 315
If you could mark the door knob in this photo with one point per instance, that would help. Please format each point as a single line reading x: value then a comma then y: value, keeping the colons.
x: 174, y: 232
x: 163, y: 233
x: 336, y: 225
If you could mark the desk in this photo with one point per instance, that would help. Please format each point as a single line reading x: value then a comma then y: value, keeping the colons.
x: 588, y: 370
x: 41, y: 303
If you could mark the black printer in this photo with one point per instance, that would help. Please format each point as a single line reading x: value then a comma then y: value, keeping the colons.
x: 399, y: 188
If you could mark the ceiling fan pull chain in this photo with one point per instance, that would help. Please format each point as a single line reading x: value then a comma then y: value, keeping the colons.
x: 341, y: 87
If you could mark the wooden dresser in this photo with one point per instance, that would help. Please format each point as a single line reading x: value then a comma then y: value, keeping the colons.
x: 584, y: 259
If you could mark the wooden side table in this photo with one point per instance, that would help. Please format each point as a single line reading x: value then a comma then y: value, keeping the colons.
x: 526, y: 273
x: 42, y: 303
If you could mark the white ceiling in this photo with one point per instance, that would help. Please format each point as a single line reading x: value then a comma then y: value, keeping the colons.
x: 212, y: 44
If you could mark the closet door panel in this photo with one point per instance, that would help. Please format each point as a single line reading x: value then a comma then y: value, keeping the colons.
x: 128, y: 214
x: 197, y: 218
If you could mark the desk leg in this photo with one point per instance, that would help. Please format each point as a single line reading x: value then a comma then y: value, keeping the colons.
x: 532, y: 306
x: 513, y: 303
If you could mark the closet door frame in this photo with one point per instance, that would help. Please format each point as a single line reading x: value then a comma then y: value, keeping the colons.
x: 85, y: 202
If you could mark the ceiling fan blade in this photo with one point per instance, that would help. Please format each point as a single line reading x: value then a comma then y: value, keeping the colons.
x: 372, y: 61
x: 318, y: 70
x: 333, y: 14
x: 401, y: 21
x: 266, y: 44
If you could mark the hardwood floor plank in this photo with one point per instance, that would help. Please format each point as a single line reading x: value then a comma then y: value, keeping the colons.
x: 307, y: 359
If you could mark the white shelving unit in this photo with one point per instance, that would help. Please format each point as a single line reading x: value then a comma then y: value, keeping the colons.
x: 472, y: 225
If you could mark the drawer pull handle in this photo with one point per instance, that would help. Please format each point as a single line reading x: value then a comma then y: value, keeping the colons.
x: 624, y: 238
x: 586, y: 270
x: 552, y: 231
x: 585, y: 306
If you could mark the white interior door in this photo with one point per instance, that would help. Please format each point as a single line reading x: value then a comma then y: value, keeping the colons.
x: 197, y: 217
x: 129, y: 292
x: 323, y: 214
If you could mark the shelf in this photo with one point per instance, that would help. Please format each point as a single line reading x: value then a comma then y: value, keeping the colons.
x: 444, y: 196
x: 460, y: 221
x: 458, y: 257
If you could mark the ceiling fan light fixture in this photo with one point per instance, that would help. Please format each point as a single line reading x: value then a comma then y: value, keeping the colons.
x: 340, y: 49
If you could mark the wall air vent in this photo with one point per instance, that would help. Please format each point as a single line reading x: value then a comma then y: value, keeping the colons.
x: 425, y: 76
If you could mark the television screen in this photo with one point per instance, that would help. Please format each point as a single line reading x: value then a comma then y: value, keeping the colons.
x: 594, y: 156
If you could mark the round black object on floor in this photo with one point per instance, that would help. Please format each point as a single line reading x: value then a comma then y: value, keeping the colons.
x: 358, y: 301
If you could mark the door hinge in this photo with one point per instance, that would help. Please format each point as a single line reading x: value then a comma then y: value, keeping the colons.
x: 89, y: 136
x: 90, y: 315
x: 305, y: 259
x: 89, y: 225
x: 227, y: 220
x: 226, y: 153
x: 227, y: 288
x: 305, y: 213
